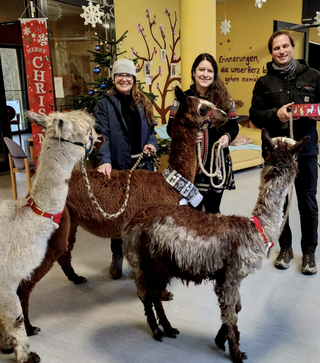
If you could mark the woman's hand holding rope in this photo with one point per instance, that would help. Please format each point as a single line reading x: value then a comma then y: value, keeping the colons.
x: 224, y: 139
x: 149, y: 150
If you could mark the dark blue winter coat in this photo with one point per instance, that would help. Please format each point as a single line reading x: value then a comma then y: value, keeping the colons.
x: 116, y: 149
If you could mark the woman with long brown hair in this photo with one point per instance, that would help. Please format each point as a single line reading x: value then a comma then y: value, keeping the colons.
x: 208, y: 85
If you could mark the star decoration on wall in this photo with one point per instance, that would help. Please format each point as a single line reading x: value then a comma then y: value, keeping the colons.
x: 317, y: 17
x: 225, y: 26
x: 259, y: 3
x: 92, y: 14
x: 109, y: 13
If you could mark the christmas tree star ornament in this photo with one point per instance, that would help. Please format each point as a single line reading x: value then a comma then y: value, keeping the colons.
x: 259, y: 3
x: 92, y: 14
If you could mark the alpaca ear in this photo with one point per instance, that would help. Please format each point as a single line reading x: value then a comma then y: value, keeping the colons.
x: 267, y: 143
x: 36, y: 118
x: 298, y: 145
x: 180, y: 95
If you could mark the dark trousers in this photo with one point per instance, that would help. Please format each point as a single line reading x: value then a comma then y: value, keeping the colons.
x: 306, y: 190
x: 116, y: 246
x: 211, y: 201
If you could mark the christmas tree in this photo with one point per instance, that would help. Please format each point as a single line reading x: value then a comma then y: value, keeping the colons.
x: 105, y: 54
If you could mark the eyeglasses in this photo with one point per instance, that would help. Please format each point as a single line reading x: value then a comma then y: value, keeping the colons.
x: 124, y: 75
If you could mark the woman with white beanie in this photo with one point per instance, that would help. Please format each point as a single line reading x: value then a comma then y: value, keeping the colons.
x: 125, y: 118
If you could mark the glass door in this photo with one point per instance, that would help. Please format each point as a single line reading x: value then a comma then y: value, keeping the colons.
x: 13, y: 94
x: 12, y: 62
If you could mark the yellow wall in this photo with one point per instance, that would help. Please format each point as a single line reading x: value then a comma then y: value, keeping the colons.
x: 250, y: 30
x: 198, y: 34
x: 128, y: 14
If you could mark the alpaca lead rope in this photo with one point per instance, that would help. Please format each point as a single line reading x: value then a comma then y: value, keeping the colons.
x: 125, y: 203
x: 218, y: 164
x: 286, y: 214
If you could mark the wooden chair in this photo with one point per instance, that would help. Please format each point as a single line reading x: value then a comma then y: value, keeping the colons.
x: 19, y: 163
x: 11, y: 115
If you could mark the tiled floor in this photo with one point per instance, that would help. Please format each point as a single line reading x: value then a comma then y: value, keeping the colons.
x: 103, y: 321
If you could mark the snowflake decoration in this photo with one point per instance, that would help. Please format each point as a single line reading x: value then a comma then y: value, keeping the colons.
x: 259, y: 3
x: 26, y: 31
x: 225, y: 26
x: 92, y: 14
x: 317, y: 17
x: 42, y: 39
x: 88, y: 35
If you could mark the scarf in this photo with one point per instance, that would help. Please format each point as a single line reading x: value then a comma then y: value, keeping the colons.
x: 289, y: 70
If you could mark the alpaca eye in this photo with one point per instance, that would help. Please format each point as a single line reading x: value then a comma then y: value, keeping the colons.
x: 203, y: 110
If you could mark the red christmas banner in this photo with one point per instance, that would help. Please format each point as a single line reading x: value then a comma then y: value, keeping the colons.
x: 38, y: 72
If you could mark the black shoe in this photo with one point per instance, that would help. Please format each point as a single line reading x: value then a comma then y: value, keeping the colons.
x: 282, y: 262
x: 309, y: 266
x: 115, y: 271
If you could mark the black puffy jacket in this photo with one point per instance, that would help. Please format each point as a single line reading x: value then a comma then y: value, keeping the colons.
x: 272, y: 91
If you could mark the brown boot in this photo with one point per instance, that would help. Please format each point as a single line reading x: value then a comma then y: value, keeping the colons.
x: 115, y: 271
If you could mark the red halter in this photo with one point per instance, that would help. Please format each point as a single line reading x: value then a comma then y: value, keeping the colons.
x: 256, y: 221
x: 54, y: 217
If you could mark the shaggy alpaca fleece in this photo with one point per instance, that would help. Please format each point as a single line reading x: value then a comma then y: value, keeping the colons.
x: 24, y: 234
x: 166, y: 242
x: 145, y: 188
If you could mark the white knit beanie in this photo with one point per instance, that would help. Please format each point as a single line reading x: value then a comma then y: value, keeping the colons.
x: 123, y: 66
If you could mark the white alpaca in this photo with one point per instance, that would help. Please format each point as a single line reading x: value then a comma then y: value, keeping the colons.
x: 310, y: 110
x: 24, y: 233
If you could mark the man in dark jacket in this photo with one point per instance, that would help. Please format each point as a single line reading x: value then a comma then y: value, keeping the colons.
x: 290, y: 81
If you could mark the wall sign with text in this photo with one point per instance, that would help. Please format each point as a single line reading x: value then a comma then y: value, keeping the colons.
x: 240, y: 69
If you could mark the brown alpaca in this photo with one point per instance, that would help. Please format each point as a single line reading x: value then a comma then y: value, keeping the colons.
x: 145, y: 188
x: 165, y: 242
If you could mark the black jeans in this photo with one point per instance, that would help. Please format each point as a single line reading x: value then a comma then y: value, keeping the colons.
x: 211, y: 201
x: 306, y: 190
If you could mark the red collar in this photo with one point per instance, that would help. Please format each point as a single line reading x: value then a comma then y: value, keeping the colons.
x: 256, y: 221
x: 54, y: 217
